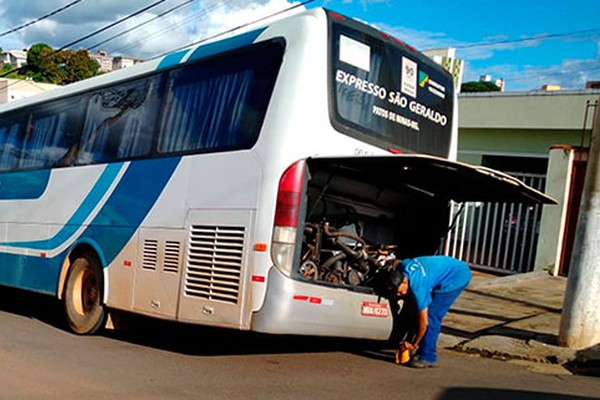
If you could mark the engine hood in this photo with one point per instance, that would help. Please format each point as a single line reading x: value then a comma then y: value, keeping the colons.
x: 433, y: 176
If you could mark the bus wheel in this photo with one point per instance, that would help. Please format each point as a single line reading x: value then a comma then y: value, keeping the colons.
x: 84, y: 310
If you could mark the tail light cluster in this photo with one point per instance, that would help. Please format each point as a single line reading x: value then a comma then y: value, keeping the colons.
x: 287, y: 214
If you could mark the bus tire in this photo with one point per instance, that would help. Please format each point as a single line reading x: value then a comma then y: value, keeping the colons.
x: 84, y: 311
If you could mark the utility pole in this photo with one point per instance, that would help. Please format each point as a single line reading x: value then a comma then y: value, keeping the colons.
x: 580, y: 319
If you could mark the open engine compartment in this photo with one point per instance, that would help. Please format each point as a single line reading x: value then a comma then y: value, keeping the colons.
x: 361, y: 214
x: 358, y: 224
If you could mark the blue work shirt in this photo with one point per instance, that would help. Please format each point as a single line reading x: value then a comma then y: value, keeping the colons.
x: 430, y: 274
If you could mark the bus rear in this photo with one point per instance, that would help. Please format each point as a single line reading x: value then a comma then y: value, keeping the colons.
x: 341, y: 221
x: 386, y: 93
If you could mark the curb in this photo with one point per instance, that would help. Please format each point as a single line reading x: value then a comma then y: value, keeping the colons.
x: 507, y: 348
x: 510, y: 279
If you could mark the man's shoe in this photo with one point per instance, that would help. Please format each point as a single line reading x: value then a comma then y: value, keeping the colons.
x: 418, y: 363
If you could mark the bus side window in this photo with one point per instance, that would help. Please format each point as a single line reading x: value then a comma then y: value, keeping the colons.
x: 53, y: 135
x: 221, y: 103
x: 120, y: 122
x: 41, y: 134
x: 205, y: 110
x: 10, y: 140
x: 139, y: 128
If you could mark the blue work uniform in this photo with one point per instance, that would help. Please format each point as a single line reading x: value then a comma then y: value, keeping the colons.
x: 434, y: 282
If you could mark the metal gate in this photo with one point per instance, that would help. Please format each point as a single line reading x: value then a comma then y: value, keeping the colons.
x: 498, y: 236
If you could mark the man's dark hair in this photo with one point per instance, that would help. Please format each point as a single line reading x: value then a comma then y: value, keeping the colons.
x: 386, y: 283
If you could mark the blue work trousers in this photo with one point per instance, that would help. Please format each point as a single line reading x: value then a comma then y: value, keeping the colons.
x: 439, y: 307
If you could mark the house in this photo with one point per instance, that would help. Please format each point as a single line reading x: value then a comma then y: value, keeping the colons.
x: 14, y: 89
x: 16, y: 58
x: 105, y: 60
x: 515, y: 132
x: 121, y: 62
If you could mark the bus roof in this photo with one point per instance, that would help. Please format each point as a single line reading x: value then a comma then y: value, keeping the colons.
x: 215, y: 45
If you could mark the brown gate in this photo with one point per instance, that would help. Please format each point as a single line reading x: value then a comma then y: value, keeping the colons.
x: 573, y: 202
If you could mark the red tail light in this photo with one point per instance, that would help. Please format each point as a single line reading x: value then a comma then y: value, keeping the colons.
x: 337, y: 16
x: 289, y: 197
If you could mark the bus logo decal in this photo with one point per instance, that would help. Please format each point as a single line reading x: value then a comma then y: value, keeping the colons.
x: 423, y: 79
x: 409, y: 77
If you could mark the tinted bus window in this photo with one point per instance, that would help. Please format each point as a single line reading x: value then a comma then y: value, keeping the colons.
x: 11, y: 140
x: 212, y: 105
x: 221, y: 103
x: 121, y: 121
x: 387, y: 95
x: 53, y: 131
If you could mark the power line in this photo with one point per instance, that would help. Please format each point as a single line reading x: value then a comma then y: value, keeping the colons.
x: 106, y: 27
x: 527, y: 39
x: 544, y: 73
x: 234, y: 29
x: 176, y: 24
x: 43, y: 17
x: 172, y: 9
x: 482, y: 44
x: 519, y: 76
x: 179, y: 48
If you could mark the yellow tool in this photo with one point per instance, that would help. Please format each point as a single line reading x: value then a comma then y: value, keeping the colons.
x: 402, y: 356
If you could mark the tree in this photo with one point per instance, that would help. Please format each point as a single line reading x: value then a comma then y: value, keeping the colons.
x: 59, y: 67
x: 78, y: 65
x: 478, y: 86
x: 36, y: 54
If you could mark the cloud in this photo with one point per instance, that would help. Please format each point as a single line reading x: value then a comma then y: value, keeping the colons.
x: 418, y: 39
x: 426, y: 40
x: 482, y: 58
x: 188, y: 24
x: 569, y: 74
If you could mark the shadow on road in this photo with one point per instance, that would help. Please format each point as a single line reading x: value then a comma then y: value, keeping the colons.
x: 187, y: 339
x: 44, y: 308
x: 208, y: 341
x: 504, y: 394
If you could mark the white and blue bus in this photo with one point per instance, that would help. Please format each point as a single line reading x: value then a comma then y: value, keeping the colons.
x: 246, y: 183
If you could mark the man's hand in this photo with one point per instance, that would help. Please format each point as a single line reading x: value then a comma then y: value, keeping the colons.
x: 407, y: 346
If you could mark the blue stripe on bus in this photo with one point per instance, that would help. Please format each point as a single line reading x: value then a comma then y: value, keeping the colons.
x: 79, y: 216
x: 171, y: 59
x: 111, y: 229
x: 33, y: 273
x: 210, y: 49
x: 25, y: 185
x: 129, y: 204
x: 225, y: 45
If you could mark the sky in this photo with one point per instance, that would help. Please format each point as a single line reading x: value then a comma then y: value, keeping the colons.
x: 526, y: 43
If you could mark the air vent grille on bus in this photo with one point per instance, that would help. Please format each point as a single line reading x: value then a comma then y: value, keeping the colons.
x: 171, y: 258
x: 161, y: 252
x: 215, y: 262
x: 150, y: 256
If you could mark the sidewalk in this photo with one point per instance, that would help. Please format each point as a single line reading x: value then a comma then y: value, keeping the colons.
x: 515, y: 318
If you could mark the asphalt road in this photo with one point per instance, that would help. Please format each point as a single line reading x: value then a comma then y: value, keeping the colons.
x: 40, y: 359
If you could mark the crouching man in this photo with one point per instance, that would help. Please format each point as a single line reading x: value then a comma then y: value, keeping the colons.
x: 434, y: 282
